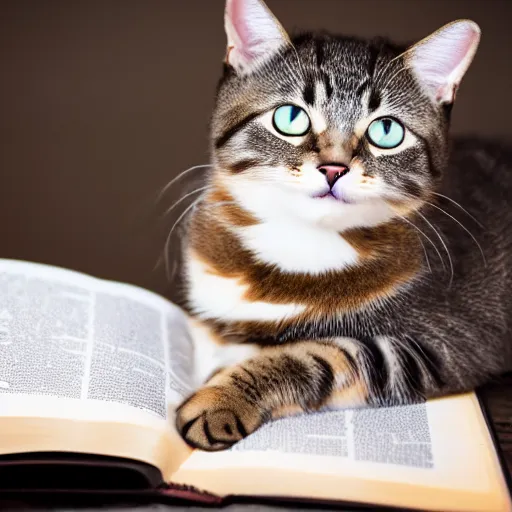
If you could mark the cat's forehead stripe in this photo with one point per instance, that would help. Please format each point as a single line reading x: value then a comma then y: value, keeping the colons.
x: 309, y: 93
x: 318, y: 91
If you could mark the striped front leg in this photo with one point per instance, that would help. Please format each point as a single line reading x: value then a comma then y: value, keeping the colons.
x: 279, y: 381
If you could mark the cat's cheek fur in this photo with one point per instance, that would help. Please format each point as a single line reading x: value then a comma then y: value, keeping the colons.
x: 356, y: 186
x: 309, y: 181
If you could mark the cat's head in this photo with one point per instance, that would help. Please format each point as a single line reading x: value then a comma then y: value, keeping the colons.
x: 333, y: 131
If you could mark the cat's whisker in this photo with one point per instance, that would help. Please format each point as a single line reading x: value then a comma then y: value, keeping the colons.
x: 176, y: 203
x: 425, y: 252
x: 426, y: 236
x: 219, y: 204
x: 456, y: 220
x: 444, y: 245
x: 180, y: 175
x: 168, y: 239
x: 158, y: 262
x: 460, y: 206
x: 463, y: 227
x: 161, y: 257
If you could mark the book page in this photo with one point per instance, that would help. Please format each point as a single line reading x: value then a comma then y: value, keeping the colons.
x: 407, y: 456
x: 394, y: 435
x: 76, y: 347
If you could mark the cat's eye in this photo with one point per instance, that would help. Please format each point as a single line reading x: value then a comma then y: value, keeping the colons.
x: 291, y: 120
x: 386, y: 133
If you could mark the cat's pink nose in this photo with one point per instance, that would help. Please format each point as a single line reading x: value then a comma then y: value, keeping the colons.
x: 333, y: 172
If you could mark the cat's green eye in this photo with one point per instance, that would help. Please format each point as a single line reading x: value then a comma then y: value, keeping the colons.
x: 291, y: 120
x: 386, y: 133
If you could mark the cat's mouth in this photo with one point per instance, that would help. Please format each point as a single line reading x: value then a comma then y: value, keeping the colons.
x: 326, y: 196
x: 330, y: 196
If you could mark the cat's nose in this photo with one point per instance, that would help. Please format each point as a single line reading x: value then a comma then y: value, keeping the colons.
x: 333, y: 172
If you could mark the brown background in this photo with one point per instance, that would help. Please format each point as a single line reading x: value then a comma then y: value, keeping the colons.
x: 103, y: 102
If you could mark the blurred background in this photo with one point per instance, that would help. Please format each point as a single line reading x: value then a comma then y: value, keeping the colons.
x: 103, y: 102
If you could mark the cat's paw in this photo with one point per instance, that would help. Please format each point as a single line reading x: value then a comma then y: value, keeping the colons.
x: 214, y: 419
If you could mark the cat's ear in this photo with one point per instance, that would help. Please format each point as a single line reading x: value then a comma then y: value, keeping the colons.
x: 440, y: 60
x: 253, y: 33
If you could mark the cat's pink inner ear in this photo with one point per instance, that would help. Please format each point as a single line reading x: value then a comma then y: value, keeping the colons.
x: 441, y: 60
x: 253, y: 33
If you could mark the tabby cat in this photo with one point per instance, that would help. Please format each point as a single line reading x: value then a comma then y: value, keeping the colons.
x: 345, y: 253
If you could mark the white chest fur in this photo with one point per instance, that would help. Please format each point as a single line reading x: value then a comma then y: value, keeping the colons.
x: 217, y: 297
x: 298, y: 247
x: 210, y: 356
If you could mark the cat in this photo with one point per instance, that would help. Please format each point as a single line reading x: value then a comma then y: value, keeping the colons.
x: 345, y: 252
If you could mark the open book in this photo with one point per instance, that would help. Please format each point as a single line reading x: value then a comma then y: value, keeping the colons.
x: 90, y: 373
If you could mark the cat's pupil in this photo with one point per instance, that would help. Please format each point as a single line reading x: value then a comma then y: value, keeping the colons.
x: 294, y: 112
x: 386, y: 124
